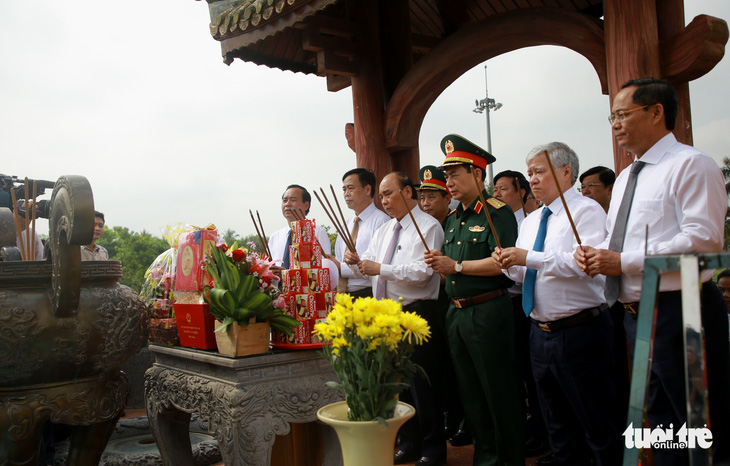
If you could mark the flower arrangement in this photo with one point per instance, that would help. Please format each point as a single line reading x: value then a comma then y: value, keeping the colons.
x: 370, y: 342
x: 244, y: 288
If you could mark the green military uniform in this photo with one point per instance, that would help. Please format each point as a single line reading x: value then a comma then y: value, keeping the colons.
x: 481, y: 336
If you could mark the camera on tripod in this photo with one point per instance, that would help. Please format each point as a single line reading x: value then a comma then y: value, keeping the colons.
x: 10, y: 184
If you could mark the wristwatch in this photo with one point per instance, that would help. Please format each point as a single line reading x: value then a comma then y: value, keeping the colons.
x: 458, y: 267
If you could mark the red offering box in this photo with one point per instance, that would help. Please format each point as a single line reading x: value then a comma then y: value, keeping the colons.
x: 318, y: 280
x: 305, y: 255
x: 302, y: 334
x: 195, y: 325
x: 295, y: 281
x: 192, y: 247
x: 303, y: 231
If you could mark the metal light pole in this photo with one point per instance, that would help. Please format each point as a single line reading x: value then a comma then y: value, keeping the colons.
x: 487, y: 104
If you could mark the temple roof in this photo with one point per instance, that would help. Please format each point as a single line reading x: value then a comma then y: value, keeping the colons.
x: 317, y: 36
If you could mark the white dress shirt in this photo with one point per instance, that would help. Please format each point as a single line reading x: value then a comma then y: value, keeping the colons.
x: 561, y: 288
x: 408, y: 275
x: 680, y: 196
x: 277, y: 242
x: 371, y: 218
x: 516, y: 289
x: 520, y: 216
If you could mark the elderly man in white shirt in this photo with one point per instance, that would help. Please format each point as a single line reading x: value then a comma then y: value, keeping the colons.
x: 671, y: 200
x: 571, y: 334
x: 358, y: 186
x: 394, y: 262
x: 294, y: 199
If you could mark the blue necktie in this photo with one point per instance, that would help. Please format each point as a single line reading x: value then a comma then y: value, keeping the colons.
x: 528, y: 286
x: 285, y: 260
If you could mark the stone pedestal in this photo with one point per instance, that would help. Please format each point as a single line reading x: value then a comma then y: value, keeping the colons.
x: 246, y: 401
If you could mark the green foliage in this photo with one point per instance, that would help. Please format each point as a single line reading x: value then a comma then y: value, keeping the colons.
x: 136, y: 251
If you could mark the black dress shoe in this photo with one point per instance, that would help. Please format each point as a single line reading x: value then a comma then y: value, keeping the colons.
x: 460, y: 439
x: 405, y: 456
x: 534, y: 447
x: 546, y: 460
x: 428, y: 461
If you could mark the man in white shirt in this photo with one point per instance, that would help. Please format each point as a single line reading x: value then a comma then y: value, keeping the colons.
x: 512, y: 188
x: 358, y: 187
x: 94, y: 252
x: 678, y: 206
x: 295, y: 199
x: 406, y: 275
x: 571, y: 335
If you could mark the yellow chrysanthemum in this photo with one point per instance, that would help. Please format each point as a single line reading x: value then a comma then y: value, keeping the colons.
x: 415, y: 326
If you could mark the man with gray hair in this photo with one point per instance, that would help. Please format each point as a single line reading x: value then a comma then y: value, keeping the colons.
x: 570, y: 339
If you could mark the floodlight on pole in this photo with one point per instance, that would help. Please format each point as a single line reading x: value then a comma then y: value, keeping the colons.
x: 482, y: 105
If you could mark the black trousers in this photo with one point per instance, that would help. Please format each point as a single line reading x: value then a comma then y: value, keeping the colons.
x: 425, y: 431
x: 573, y: 369
x: 666, y: 401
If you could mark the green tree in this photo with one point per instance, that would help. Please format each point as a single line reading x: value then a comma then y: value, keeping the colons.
x: 136, y: 252
x: 230, y: 236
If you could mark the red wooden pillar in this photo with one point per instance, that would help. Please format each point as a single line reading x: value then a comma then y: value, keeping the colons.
x: 671, y: 23
x: 632, y: 50
x: 368, y: 99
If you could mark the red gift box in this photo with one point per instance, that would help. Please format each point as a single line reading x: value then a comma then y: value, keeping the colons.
x: 318, y: 280
x: 306, y: 306
x: 295, y: 281
x: 305, y: 256
x: 195, y: 326
x: 302, y: 334
x: 303, y: 231
x: 192, y: 247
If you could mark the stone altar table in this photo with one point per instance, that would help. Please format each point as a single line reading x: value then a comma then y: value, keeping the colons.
x: 246, y: 401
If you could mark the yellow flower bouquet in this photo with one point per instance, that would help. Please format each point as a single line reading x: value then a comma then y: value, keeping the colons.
x: 369, y: 346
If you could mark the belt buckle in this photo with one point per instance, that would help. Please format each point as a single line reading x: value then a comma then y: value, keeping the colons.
x: 544, y: 326
x: 457, y: 303
x: 630, y: 308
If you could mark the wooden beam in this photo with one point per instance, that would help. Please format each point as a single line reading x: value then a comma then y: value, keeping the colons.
x: 336, y: 82
x: 314, y: 42
x: 329, y: 63
x: 695, y: 50
x: 476, y: 43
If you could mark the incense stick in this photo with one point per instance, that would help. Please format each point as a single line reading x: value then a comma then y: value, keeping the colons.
x: 486, y: 209
x: 334, y: 223
x: 33, y: 209
x: 562, y: 198
x: 263, y: 233
x: 16, y: 221
x: 413, y: 219
x: 262, y: 239
x: 340, y: 229
x: 344, y: 222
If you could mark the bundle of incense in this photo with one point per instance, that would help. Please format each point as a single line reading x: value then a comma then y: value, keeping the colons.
x: 486, y: 210
x: 340, y: 229
x: 562, y: 198
x: 260, y: 233
x: 413, y: 219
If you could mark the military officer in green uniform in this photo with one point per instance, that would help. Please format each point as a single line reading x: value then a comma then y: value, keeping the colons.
x: 479, y: 322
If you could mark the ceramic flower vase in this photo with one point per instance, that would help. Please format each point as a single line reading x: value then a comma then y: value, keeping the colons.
x: 243, y: 340
x: 365, y: 443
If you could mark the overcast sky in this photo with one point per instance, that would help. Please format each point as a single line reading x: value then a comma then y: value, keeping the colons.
x: 135, y: 97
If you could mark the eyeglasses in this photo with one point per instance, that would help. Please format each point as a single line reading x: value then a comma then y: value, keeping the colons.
x: 621, y: 116
x: 583, y: 187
